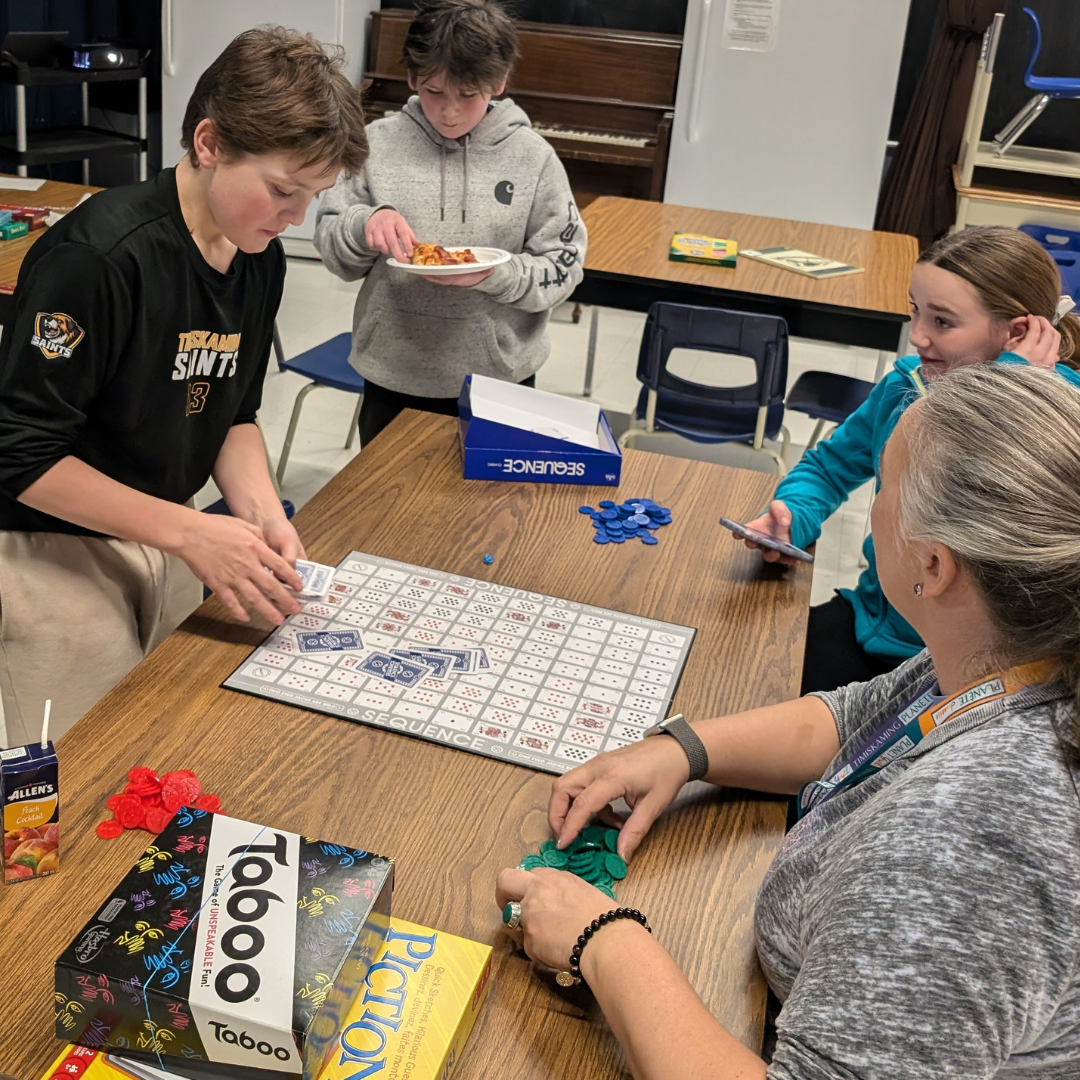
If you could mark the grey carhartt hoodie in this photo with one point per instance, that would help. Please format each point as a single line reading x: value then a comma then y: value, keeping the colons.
x: 499, y: 186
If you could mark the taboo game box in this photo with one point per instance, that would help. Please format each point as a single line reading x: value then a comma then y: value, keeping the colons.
x: 230, y: 948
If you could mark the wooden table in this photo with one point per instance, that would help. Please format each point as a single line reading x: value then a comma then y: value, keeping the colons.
x: 52, y: 195
x: 627, y: 266
x: 451, y: 819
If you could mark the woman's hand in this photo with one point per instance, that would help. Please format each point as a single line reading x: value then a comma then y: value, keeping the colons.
x: 387, y: 231
x: 648, y: 775
x: 1040, y: 343
x: 459, y: 279
x: 232, y: 558
x: 776, y: 521
x: 555, y: 907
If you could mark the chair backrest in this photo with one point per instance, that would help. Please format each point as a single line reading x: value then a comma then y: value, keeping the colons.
x: 1036, y: 44
x: 762, y: 338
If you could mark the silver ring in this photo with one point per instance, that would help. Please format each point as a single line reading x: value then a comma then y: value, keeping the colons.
x: 515, y: 916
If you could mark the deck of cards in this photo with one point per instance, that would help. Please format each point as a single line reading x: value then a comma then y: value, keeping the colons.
x: 315, y: 577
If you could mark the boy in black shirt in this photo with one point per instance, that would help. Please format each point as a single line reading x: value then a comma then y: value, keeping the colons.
x: 132, y: 373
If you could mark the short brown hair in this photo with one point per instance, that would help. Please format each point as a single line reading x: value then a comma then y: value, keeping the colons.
x: 1013, y: 275
x: 277, y: 90
x: 473, y: 41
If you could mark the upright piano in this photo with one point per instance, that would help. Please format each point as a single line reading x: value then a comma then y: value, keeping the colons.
x: 604, y: 99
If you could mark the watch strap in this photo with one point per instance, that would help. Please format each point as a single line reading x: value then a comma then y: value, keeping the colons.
x: 692, y: 746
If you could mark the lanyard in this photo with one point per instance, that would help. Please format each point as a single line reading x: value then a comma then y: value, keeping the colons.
x: 904, y: 730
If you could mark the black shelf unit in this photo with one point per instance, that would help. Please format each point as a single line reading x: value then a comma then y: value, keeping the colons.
x: 50, y: 145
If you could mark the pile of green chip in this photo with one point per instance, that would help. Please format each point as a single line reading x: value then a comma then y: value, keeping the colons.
x: 591, y: 855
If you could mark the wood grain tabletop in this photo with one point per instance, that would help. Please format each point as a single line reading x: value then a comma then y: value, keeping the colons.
x: 52, y: 195
x: 631, y: 238
x: 451, y: 819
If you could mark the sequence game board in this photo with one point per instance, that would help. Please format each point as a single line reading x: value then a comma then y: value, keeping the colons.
x: 519, y: 676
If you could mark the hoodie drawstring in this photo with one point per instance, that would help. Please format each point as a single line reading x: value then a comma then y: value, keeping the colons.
x: 442, y: 182
x: 465, y: 182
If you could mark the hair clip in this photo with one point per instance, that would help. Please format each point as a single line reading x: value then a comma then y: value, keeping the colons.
x: 1065, y: 305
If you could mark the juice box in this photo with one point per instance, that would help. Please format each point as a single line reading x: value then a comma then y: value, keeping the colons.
x: 230, y: 948
x: 710, y: 250
x: 30, y: 795
x: 420, y: 1000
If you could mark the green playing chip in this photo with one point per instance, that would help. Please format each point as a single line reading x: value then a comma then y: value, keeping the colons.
x: 611, y: 839
x: 593, y: 834
x: 531, y: 862
x: 615, y: 866
x: 549, y: 845
x: 557, y: 860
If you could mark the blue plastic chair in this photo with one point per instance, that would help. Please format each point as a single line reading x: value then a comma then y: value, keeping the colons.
x: 1063, y: 246
x: 712, y: 414
x: 1046, y: 90
x: 827, y: 398
x: 326, y: 365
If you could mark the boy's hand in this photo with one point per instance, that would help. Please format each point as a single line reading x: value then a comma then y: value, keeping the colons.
x: 1039, y: 345
x: 387, y: 231
x: 281, y: 536
x: 459, y: 279
x: 776, y: 521
x: 232, y: 558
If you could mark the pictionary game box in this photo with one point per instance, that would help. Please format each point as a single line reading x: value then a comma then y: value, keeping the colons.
x: 420, y: 1000
x: 229, y: 949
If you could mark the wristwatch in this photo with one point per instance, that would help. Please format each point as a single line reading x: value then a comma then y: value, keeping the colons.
x: 683, y: 734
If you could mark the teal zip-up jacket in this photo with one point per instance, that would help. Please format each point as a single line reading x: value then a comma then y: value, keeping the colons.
x: 824, y: 478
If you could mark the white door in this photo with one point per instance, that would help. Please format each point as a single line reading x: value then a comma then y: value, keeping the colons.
x: 797, y: 131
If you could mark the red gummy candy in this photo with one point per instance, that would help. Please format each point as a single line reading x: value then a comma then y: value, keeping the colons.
x: 109, y: 830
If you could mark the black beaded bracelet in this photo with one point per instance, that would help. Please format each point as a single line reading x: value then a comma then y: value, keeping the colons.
x: 573, y: 976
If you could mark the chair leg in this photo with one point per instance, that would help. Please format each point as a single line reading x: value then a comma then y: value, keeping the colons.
x: 819, y: 427
x: 293, y: 420
x: 269, y: 464
x: 1020, y: 123
x: 576, y: 316
x: 590, y: 356
x: 785, y: 445
x: 355, y: 422
x: 279, y: 351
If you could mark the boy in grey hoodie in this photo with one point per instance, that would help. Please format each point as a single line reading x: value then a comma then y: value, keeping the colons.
x: 452, y: 168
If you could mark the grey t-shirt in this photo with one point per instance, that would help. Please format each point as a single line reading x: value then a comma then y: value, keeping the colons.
x: 926, y: 923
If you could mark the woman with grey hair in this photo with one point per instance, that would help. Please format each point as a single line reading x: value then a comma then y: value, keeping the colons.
x: 922, y: 919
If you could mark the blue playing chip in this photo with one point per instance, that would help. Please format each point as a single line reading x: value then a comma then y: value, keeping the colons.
x: 606, y: 504
x: 641, y: 519
x: 584, y: 509
x: 648, y: 538
x: 608, y: 514
x: 620, y: 539
x: 600, y: 538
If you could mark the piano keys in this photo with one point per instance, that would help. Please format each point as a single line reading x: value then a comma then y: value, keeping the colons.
x: 604, y: 99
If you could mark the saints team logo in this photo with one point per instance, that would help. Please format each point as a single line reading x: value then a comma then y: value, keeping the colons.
x: 56, y: 334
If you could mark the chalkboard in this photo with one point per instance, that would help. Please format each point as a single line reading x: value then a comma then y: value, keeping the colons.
x: 656, y: 16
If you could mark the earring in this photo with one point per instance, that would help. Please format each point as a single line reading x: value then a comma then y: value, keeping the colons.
x: 918, y: 589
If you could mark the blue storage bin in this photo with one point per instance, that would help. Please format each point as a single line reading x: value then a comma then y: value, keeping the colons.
x: 1064, y: 248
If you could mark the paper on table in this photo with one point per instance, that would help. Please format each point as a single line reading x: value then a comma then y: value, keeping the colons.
x: 537, y: 411
x: 20, y: 183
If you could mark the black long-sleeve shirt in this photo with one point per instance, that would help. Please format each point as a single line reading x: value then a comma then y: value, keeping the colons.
x: 129, y: 351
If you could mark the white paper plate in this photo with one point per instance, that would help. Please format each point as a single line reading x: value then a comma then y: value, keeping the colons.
x: 486, y: 258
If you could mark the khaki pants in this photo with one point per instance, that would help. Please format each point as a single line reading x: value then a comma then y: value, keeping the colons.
x: 77, y: 613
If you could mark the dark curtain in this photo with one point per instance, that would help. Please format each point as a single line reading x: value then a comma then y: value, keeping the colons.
x: 918, y: 196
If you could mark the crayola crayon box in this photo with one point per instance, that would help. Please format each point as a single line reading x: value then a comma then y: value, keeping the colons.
x: 709, y: 250
x: 229, y: 949
x: 30, y: 796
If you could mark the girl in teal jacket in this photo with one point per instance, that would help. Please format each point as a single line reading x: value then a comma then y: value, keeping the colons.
x: 987, y: 294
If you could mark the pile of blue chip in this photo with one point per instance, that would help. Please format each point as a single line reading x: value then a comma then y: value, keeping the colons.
x: 616, y: 523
